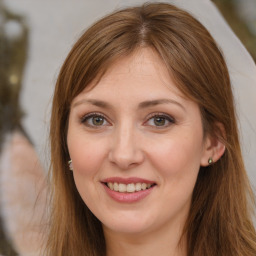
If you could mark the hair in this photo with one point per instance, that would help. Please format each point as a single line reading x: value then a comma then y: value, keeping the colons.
x: 220, y: 218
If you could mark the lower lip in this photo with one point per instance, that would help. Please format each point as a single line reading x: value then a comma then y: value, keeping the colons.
x: 128, y: 197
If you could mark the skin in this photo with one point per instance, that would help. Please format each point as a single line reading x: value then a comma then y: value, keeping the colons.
x: 131, y: 142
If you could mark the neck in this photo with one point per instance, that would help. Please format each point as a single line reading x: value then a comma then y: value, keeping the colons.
x: 165, y: 242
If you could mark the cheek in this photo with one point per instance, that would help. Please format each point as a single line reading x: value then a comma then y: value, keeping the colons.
x: 87, y: 158
x: 86, y: 154
x: 177, y: 156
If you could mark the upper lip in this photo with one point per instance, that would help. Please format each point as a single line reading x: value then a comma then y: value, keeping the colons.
x: 127, y: 180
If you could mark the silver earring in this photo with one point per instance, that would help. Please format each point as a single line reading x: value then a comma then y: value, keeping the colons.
x: 70, y: 165
x: 210, y: 161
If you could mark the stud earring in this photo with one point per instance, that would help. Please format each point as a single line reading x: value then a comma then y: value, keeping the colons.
x: 210, y: 161
x: 70, y: 165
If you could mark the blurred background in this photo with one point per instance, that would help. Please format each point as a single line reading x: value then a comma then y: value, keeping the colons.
x: 35, y: 37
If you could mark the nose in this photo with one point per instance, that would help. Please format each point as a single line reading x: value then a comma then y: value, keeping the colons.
x: 126, y: 151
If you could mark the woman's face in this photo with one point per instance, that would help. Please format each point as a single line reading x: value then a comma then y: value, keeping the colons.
x: 137, y: 145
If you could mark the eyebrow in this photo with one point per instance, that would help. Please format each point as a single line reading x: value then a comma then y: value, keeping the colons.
x: 151, y: 103
x: 144, y: 104
x: 97, y: 103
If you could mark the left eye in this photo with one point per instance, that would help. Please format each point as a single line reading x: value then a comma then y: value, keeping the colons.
x: 160, y: 121
x: 94, y: 120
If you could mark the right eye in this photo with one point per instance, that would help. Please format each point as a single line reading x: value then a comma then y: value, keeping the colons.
x: 95, y: 120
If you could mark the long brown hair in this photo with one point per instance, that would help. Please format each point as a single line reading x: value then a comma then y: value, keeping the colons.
x: 219, y: 221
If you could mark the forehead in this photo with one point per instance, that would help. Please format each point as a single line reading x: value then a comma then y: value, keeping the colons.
x: 137, y: 80
x: 142, y: 71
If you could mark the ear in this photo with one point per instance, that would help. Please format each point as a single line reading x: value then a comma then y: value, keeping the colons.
x: 214, y: 147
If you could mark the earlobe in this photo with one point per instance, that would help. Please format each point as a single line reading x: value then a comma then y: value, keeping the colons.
x: 212, y: 152
x: 214, y: 147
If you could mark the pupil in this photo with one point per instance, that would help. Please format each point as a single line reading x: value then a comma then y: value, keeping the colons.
x: 159, y: 121
x: 97, y: 120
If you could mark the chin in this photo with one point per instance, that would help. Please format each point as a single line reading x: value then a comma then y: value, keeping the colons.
x: 128, y: 225
x: 127, y: 228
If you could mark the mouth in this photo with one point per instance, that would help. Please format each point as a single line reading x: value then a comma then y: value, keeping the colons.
x: 128, y: 188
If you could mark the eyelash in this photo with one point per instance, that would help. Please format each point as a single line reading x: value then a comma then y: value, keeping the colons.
x: 166, y: 117
x: 85, y: 119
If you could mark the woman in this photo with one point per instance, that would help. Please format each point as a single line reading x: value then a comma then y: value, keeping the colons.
x: 145, y: 150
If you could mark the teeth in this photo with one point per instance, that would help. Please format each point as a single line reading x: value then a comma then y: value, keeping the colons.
x: 110, y: 185
x: 143, y: 186
x: 138, y: 186
x: 116, y: 187
x: 122, y: 188
x: 130, y: 188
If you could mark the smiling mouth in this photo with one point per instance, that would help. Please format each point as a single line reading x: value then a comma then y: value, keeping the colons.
x: 128, y: 188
